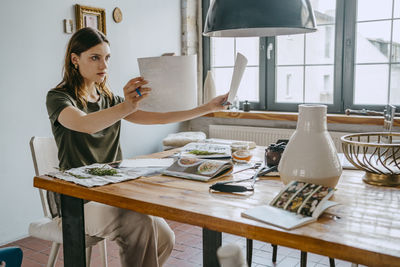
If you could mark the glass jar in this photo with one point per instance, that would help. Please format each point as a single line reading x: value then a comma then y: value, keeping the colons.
x: 241, y: 152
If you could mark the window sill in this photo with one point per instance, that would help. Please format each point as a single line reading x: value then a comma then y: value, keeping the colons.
x: 292, y: 116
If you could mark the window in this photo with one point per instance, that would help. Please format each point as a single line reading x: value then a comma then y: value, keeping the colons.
x: 223, y: 52
x: 352, y: 61
x: 376, y: 63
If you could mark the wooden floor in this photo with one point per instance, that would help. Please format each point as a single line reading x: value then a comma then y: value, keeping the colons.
x: 187, y: 251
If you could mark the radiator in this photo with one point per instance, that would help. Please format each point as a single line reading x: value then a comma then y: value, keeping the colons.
x: 260, y: 135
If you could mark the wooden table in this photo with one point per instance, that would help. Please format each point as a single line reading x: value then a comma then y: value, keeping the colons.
x: 365, y: 229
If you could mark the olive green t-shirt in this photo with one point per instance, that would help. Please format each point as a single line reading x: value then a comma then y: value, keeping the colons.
x: 76, y: 149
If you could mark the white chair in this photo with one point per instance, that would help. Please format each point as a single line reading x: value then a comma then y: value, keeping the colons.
x: 230, y: 255
x: 44, y: 155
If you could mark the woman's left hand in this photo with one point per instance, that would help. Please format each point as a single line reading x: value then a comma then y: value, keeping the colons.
x: 216, y: 104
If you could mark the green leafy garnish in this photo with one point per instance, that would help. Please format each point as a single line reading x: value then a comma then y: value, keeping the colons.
x: 72, y: 174
x: 93, y: 171
x: 102, y: 171
x: 203, y: 153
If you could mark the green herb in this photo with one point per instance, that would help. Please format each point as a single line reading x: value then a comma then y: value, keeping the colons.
x: 102, y: 171
x: 93, y: 171
x: 72, y: 174
x: 202, y: 152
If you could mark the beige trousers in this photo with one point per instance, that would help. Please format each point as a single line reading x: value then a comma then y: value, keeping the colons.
x: 144, y: 240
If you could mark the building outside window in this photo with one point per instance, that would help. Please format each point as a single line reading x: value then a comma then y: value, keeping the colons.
x: 351, y: 61
x: 223, y: 51
x: 376, y: 66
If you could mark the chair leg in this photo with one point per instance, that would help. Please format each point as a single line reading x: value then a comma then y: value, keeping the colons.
x: 249, y: 251
x: 103, y: 252
x: 274, y: 252
x: 303, y: 259
x: 88, y: 256
x: 55, y: 247
x: 331, y: 262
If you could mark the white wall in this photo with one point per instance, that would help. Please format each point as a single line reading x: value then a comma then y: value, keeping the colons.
x: 32, y: 46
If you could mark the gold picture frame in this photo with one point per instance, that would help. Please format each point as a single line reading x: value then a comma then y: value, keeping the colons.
x: 87, y: 16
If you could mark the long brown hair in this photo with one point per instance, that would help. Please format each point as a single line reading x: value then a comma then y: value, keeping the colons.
x: 81, y: 41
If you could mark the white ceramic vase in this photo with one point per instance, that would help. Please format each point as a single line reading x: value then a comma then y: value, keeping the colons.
x: 310, y: 155
x: 209, y: 87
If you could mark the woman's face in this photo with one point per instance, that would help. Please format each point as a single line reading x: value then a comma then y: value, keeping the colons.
x: 93, y: 63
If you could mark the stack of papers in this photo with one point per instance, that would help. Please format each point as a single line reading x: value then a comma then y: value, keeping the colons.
x: 128, y: 170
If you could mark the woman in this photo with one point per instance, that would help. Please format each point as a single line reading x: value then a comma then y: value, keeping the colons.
x: 85, y: 118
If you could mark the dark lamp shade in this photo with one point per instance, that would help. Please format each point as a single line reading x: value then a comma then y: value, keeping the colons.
x: 251, y: 18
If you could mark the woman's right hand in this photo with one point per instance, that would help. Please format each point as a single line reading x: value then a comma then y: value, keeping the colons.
x: 132, y: 97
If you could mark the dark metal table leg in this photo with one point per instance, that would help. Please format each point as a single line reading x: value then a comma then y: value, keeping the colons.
x: 274, y: 252
x: 212, y: 240
x: 249, y: 251
x: 303, y: 259
x: 331, y: 262
x: 73, y: 231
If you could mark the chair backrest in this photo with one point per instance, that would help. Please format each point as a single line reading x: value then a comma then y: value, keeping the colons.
x: 44, y: 155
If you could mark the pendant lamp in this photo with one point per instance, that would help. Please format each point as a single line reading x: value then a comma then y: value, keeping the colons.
x: 251, y: 18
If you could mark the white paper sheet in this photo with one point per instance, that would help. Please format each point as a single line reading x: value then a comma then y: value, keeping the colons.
x: 173, y: 80
x: 240, y: 66
x: 135, y: 163
x: 81, y: 177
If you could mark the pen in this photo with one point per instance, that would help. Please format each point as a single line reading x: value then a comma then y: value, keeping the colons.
x: 138, y: 91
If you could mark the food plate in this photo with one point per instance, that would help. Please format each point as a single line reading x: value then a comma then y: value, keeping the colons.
x: 204, y: 150
x: 189, y: 161
x: 209, y: 167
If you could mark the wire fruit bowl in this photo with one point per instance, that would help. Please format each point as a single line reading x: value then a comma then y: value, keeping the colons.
x: 378, y: 154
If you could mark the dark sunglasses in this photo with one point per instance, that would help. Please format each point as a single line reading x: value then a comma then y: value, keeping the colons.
x: 227, y: 186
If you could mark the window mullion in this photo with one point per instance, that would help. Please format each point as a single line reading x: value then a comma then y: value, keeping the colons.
x: 206, y: 41
x: 390, y: 53
x: 270, y: 73
x: 304, y: 67
x: 350, y: 14
x: 338, y: 60
x: 263, y: 87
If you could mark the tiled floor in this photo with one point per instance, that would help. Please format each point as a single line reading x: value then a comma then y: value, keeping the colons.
x: 187, y: 251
